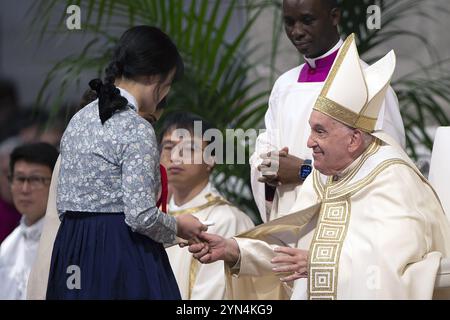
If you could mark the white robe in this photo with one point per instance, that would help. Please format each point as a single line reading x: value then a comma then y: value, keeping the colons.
x: 380, y: 233
x: 37, y: 282
x: 286, y: 121
x: 198, y: 281
x: 17, y: 255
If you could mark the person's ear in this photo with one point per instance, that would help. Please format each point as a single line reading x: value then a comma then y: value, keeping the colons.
x: 356, y: 140
x: 210, y: 162
x: 335, y: 15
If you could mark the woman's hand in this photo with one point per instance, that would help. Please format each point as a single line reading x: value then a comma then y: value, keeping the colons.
x: 189, y: 227
x: 293, y: 261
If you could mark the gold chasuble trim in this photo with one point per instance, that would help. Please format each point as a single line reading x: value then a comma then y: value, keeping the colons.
x: 212, y: 201
x: 192, y: 276
x: 326, y: 248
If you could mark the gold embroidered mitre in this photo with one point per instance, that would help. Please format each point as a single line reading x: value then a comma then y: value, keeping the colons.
x: 352, y: 95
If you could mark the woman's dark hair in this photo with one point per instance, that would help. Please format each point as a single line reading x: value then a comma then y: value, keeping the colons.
x: 141, y: 51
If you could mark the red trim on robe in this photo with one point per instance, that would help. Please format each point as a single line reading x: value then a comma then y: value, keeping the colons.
x: 162, y: 202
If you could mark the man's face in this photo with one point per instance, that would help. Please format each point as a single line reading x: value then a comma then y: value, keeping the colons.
x: 183, y: 159
x: 29, y: 188
x: 310, y: 25
x: 330, y: 141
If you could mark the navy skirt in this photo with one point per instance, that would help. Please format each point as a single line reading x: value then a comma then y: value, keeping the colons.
x: 98, y: 256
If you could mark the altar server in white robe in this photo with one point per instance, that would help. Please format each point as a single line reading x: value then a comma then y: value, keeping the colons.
x: 31, y: 167
x: 311, y: 25
x: 367, y: 224
x: 192, y: 192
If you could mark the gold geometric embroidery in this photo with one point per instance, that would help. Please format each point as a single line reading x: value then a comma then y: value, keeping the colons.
x: 325, y: 253
x: 335, y: 212
x: 323, y: 280
x: 325, y: 249
x: 328, y: 232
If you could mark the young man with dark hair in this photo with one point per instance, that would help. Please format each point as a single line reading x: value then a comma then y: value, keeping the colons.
x: 31, y: 168
x: 192, y: 192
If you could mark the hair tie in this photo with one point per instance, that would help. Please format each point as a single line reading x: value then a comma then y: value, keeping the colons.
x: 96, y: 85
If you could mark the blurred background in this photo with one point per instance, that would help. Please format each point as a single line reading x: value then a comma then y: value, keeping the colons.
x: 234, y: 50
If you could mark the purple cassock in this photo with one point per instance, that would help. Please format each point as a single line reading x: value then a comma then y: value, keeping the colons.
x: 9, y: 219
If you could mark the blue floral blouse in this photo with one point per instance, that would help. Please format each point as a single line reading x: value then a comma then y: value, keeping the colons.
x: 113, y: 168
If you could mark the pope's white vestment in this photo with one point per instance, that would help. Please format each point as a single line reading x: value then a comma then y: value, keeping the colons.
x: 375, y: 231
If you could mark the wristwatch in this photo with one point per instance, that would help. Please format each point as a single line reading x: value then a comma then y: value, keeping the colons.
x: 305, y: 170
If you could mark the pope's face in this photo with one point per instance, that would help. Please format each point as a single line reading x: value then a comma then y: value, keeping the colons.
x: 330, y: 142
x: 310, y: 25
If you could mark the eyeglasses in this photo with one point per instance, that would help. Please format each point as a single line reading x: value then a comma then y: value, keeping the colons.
x: 35, y: 182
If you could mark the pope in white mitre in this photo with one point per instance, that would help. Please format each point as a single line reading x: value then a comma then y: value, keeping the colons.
x: 367, y: 224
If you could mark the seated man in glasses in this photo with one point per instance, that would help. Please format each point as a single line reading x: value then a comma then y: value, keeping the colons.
x: 31, y: 168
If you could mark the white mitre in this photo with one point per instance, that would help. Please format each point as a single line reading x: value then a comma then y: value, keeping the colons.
x: 353, y: 95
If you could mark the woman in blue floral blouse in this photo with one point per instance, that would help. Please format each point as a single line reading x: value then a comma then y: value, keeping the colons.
x: 110, y: 242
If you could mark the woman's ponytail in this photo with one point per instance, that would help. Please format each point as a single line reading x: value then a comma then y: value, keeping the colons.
x: 109, y: 98
x: 141, y: 51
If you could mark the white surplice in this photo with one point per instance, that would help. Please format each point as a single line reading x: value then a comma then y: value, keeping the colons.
x: 286, y: 122
x: 17, y: 255
x: 378, y: 232
x: 199, y: 281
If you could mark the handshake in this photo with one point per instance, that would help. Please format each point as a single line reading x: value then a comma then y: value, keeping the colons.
x: 209, y: 248
x: 206, y: 247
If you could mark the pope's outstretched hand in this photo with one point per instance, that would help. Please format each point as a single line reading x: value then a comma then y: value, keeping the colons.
x: 213, y: 248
